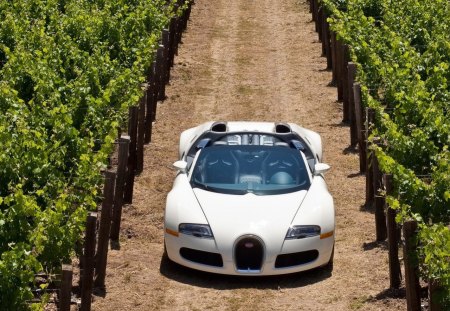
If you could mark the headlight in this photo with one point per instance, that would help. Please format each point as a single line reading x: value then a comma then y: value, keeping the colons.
x: 301, y: 232
x: 197, y: 230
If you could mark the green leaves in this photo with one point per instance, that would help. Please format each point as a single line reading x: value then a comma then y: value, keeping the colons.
x: 17, y: 266
x: 434, y: 255
x: 69, y: 70
x: 403, y: 51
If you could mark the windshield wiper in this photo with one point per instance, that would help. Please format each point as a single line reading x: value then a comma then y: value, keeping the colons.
x: 218, y: 190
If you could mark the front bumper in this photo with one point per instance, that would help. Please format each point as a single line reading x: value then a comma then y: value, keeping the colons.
x: 201, y: 254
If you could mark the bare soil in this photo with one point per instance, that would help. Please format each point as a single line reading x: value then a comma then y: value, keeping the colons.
x: 248, y: 60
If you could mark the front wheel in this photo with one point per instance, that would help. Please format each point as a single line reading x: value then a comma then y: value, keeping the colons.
x: 329, y: 266
x: 165, y: 250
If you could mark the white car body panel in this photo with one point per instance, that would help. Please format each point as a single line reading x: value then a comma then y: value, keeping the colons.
x: 183, y: 205
x: 188, y: 137
x: 324, y: 246
x: 311, y: 137
x: 232, y: 216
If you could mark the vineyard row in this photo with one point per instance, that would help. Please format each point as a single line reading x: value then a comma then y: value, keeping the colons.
x: 71, y: 73
x: 392, y: 58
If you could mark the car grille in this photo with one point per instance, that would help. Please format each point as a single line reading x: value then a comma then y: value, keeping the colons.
x: 249, y: 254
x: 206, y: 258
x: 295, y: 259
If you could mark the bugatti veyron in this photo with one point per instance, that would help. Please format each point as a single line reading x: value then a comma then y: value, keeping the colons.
x: 250, y: 198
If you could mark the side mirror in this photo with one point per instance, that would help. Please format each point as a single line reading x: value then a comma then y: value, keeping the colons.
x: 321, y: 168
x: 180, y: 166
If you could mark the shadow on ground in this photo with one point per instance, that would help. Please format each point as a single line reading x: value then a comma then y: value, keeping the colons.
x: 375, y: 244
x: 391, y: 293
x: 368, y: 208
x: 189, y: 276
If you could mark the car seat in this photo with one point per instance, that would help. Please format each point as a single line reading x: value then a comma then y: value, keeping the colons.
x: 221, y: 168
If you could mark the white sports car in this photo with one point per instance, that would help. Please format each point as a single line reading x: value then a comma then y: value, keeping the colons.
x: 250, y: 199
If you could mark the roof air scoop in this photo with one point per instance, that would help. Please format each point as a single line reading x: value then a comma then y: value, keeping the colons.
x: 282, y: 128
x: 220, y: 127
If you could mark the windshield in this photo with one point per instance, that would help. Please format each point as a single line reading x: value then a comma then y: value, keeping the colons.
x: 261, y: 170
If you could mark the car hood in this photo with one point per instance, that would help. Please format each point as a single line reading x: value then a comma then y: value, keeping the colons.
x: 266, y: 216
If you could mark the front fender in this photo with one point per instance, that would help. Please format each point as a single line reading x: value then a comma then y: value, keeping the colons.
x: 182, y: 205
x: 317, y: 208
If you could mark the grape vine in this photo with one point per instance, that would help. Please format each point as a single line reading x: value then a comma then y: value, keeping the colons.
x: 402, y: 49
x: 69, y: 70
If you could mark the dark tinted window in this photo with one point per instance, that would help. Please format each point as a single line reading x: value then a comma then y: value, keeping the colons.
x: 241, y: 169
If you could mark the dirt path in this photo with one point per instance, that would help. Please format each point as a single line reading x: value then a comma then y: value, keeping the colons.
x: 248, y: 60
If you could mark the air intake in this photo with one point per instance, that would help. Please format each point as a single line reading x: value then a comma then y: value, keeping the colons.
x: 249, y: 255
x: 295, y: 259
x: 205, y: 258
x: 282, y: 128
x: 220, y: 127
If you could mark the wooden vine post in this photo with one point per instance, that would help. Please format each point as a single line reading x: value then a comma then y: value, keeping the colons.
x: 161, y: 73
x: 88, y: 266
x: 339, y: 61
x: 320, y: 28
x: 359, y: 120
x: 327, y: 39
x: 132, y: 154
x: 124, y: 146
x: 411, y: 266
x: 351, y: 103
x: 344, y: 83
x: 380, y: 217
x: 154, y: 85
x: 172, y: 40
x: 178, y: 30
x: 392, y: 232
x: 104, y: 229
x: 313, y: 12
x: 166, y: 55
x: 333, y: 45
x: 65, y: 293
x: 187, y: 14
x: 370, y: 119
x: 148, y: 126
x: 140, y: 139
x: 433, y: 291
x: 317, y: 17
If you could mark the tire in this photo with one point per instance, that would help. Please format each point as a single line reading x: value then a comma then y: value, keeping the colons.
x: 165, y: 251
x: 329, y: 266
